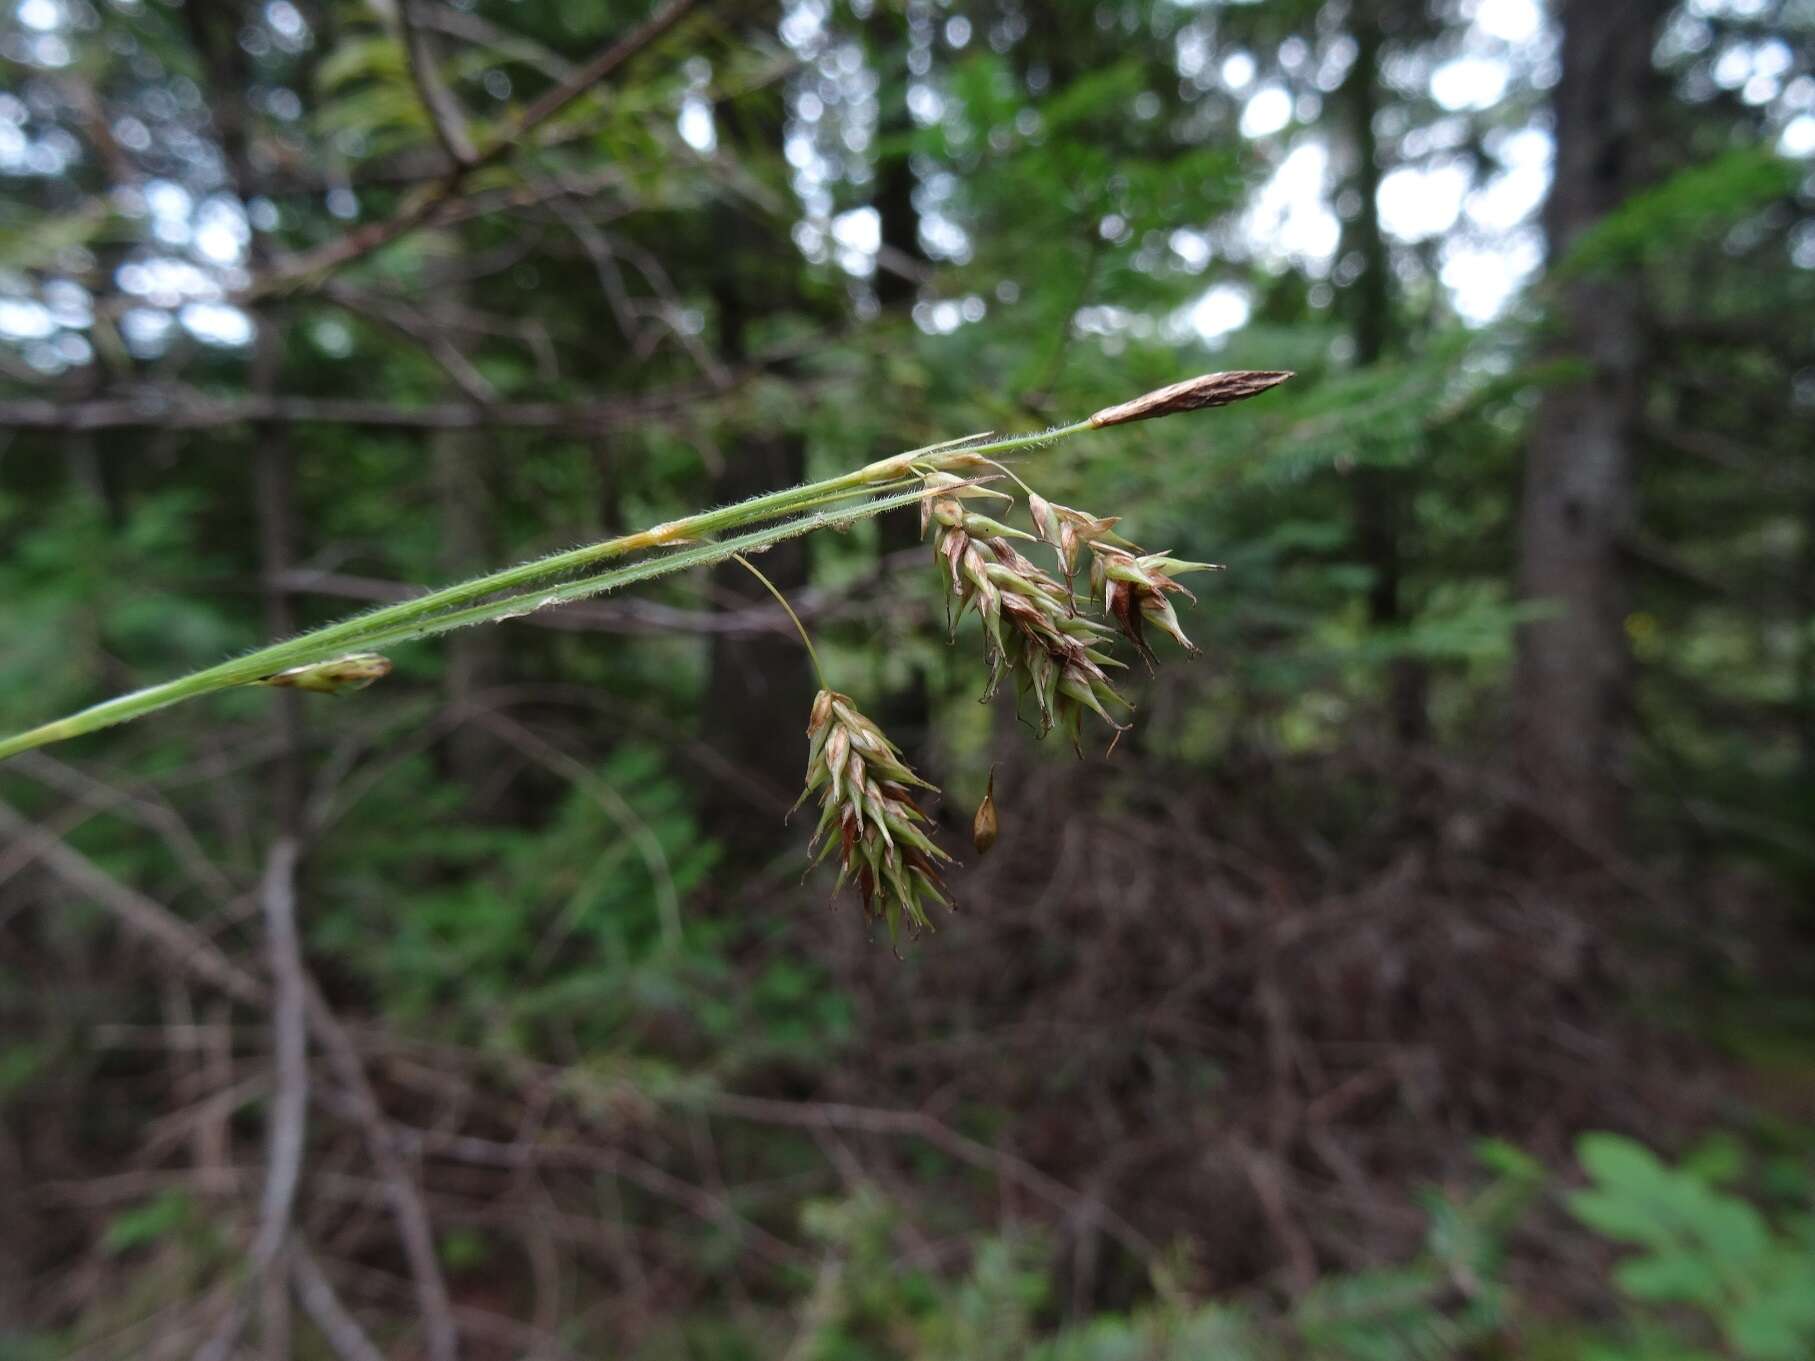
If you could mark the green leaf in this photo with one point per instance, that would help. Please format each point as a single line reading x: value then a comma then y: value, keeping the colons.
x: 1620, y: 1217
x: 1779, y: 1325
x: 1685, y: 1277
x: 1732, y: 1227
x: 1716, y: 1159
x: 158, y: 1217
x: 1621, y: 1162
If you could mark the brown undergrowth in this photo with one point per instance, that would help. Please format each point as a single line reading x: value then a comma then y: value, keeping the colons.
x: 1259, y: 1011
x: 1250, y: 1014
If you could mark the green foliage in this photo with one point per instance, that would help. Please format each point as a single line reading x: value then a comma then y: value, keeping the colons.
x: 1663, y: 221
x: 166, y: 1214
x: 1059, y: 186
x: 499, y: 930
x: 1452, y: 1298
x: 71, y: 573
x: 1701, y: 1247
x: 1706, y: 1248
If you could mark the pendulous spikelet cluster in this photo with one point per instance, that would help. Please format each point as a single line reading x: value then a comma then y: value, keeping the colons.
x: 1031, y: 623
x: 869, y: 817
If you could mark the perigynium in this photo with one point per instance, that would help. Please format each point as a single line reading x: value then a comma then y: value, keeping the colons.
x: 869, y: 817
x: 341, y: 676
x: 1065, y: 530
x: 1129, y: 586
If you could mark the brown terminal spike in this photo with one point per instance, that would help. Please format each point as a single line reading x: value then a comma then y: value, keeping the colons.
x: 1194, y: 394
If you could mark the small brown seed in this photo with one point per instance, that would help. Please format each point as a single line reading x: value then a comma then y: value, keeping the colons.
x: 984, y: 825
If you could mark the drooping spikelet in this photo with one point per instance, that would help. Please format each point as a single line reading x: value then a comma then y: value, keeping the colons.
x: 868, y: 815
x: 1132, y: 588
x: 1031, y: 625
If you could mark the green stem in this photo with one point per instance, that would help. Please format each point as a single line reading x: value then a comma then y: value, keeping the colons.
x: 458, y: 606
x: 1010, y: 472
x: 782, y: 600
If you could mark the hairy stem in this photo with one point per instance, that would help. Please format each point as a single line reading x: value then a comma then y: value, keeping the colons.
x: 851, y: 496
x: 546, y: 581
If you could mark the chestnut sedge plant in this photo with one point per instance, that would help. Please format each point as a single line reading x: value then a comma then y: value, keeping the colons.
x: 1038, y: 629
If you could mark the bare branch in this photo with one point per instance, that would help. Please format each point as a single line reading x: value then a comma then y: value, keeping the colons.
x: 616, y: 1162
x: 603, y: 254
x: 331, y: 1318
x: 188, y: 946
x: 813, y: 1115
x: 412, y: 326
x: 473, y: 28
x: 437, y: 100
x: 184, y: 410
x: 595, y: 70
x: 203, y: 958
x: 425, y: 204
x: 148, y: 809
x: 413, y: 1226
x: 290, y: 1046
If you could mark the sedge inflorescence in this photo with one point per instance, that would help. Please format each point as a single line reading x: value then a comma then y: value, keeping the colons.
x: 1038, y: 630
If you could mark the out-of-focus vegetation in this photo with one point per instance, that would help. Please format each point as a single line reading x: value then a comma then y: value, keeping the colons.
x: 1424, y: 975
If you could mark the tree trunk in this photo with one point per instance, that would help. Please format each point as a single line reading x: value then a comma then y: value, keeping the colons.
x: 759, y: 689
x: 1573, y: 674
x: 1378, y: 493
x: 904, y: 712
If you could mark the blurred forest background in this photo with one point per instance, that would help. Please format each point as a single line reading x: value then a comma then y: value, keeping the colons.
x: 1427, y: 974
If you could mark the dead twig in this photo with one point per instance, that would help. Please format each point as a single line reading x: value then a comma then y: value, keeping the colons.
x: 323, y: 1305
x: 413, y: 1227
x: 150, y: 919
x: 290, y: 1048
x: 436, y: 99
x: 815, y: 1115
x: 203, y: 958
